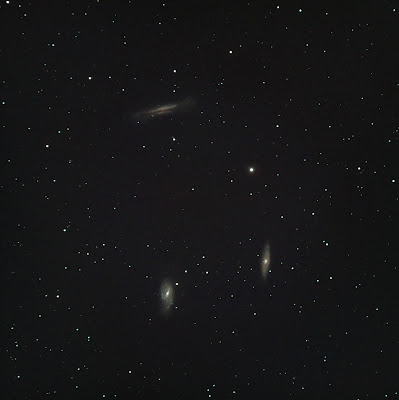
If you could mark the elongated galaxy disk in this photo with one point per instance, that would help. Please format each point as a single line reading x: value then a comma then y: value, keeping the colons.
x: 167, y: 295
x: 265, y: 261
x: 164, y: 110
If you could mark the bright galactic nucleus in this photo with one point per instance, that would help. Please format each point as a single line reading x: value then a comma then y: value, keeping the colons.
x: 167, y: 295
x: 265, y: 261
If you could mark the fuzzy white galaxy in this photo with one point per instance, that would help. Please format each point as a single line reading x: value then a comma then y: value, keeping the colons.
x: 164, y: 110
x: 265, y: 261
x: 167, y: 295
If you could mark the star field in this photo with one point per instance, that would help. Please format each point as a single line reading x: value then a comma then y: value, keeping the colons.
x: 199, y: 200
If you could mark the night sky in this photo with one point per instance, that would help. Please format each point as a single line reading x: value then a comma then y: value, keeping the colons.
x: 199, y: 200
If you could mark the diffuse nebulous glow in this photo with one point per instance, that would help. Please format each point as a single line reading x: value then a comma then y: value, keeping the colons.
x: 165, y: 109
x: 167, y: 295
x: 265, y: 261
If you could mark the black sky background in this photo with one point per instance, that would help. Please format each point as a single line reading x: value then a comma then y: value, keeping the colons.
x: 99, y: 209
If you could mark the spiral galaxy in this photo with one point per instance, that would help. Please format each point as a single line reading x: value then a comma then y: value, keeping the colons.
x: 167, y: 295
